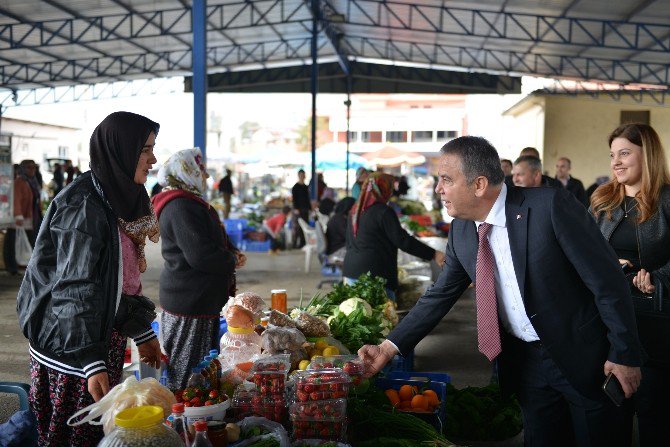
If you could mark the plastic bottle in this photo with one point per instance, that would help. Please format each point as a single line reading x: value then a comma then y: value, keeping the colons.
x: 141, y: 426
x: 204, y: 370
x: 214, y: 353
x: 179, y: 423
x: 196, y: 379
x: 201, y: 438
x: 213, y: 371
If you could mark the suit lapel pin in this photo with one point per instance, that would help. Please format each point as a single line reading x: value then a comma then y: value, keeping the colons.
x: 518, y: 216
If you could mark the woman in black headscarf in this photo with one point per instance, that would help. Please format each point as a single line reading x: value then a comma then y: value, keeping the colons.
x: 85, y: 266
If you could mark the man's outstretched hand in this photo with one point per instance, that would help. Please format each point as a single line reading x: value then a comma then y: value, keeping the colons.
x: 375, y: 357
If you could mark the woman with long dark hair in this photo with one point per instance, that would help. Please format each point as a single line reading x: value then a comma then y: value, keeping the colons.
x: 633, y: 212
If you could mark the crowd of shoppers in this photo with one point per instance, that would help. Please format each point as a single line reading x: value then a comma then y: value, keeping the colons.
x: 568, y: 289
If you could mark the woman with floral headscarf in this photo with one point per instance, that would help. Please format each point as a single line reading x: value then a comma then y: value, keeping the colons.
x: 200, y: 263
x: 374, y: 236
x: 87, y: 259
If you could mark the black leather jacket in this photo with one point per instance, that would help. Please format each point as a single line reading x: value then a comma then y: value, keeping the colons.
x: 653, y: 237
x: 68, y: 298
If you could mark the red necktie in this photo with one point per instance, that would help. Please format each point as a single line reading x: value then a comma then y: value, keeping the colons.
x: 488, y: 329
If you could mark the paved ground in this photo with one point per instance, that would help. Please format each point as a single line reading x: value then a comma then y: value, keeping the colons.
x: 452, y: 347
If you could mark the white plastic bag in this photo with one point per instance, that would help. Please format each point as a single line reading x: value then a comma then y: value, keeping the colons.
x: 23, y: 248
x: 130, y: 393
x: 275, y: 429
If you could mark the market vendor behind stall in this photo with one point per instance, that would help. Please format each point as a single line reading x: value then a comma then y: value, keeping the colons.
x: 200, y: 263
x: 374, y: 236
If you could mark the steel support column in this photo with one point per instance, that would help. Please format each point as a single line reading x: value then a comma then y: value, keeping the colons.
x: 199, y: 17
x: 314, y: 86
x: 348, y: 104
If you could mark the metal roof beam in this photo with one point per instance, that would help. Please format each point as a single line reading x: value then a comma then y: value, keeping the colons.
x: 87, y: 92
x: 186, y: 4
x: 500, y: 61
x: 103, y: 30
x: 514, y: 26
x: 169, y: 62
x: 389, y: 14
x: 54, y: 33
x: 333, y: 34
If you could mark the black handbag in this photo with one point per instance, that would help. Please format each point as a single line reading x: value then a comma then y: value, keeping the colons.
x: 134, y: 315
x: 652, y: 313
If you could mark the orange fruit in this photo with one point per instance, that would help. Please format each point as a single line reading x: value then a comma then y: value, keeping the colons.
x: 393, y: 397
x: 419, y: 402
x: 431, y: 396
x: 406, y: 393
x: 404, y: 405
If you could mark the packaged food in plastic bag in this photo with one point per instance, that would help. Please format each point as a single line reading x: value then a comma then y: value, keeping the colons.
x: 280, y: 319
x: 129, y: 393
x: 278, y: 339
x: 312, y: 326
x: 268, y: 430
x: 250, y: 301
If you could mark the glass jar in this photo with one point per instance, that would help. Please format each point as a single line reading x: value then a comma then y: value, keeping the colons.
x: 141, y: 426
x: 279, y: 300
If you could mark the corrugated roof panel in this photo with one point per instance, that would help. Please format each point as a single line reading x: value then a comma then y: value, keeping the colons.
x: 546, y: 37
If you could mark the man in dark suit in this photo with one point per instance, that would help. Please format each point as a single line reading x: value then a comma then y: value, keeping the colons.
x: 553, y: 307
x: 545, y: 179
x: 575, y: 186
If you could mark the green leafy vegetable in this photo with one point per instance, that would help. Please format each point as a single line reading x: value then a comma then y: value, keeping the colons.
x: 356, y: 329
x: 481, y: 414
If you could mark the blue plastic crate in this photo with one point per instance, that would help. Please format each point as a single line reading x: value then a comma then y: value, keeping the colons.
x: 235, y: 225
x: 437, y: 418
x: 422, y: 376
x: 248, y: 245
x: 400, y: 363
x: 235, y: 238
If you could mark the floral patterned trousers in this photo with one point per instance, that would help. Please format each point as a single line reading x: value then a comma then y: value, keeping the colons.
x: 55, y: 396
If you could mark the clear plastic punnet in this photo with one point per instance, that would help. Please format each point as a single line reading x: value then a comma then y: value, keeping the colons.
x: 269, y: 374
x: 325, y: 419
x: 249, y: 402
x: 323, y: 384
x: 350, y: 364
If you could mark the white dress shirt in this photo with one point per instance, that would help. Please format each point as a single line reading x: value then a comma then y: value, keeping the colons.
x: 511, y: 309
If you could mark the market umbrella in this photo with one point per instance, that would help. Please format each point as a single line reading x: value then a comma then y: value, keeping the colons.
x: 328, y: 158
x: 390, y: 156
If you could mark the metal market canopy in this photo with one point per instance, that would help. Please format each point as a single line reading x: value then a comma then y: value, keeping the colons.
x: 52, y: 43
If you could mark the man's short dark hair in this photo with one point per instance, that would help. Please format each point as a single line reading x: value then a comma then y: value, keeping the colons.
x: 567, y: 160
x: 286, y: 209
x: 530, y: 151
x: 505, y: 160
x: 533, y: 163
x: 301, y: 171
x: 478, y: 158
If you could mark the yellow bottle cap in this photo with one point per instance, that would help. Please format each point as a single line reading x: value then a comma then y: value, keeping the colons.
x: 240, y: 330
x: 138, y: 417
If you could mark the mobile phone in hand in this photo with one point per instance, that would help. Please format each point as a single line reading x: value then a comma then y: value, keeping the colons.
x: 613, y: 390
